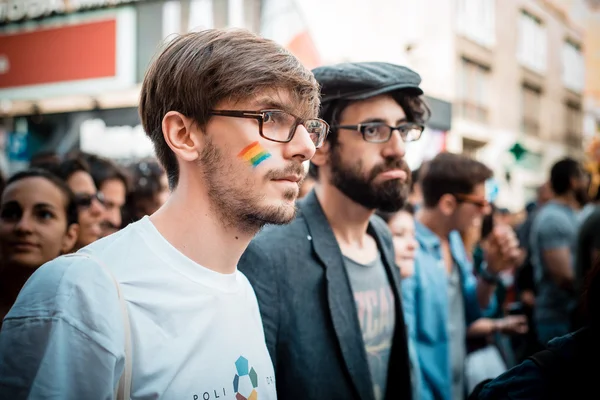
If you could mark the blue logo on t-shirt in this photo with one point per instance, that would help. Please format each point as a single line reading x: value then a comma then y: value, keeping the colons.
x: 245, y: 381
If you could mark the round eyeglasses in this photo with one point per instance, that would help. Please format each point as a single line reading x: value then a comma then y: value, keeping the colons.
x: 280, y: 126
x: 378, y: 132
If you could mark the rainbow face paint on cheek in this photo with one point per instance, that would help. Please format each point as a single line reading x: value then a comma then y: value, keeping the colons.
x: 254, y: 154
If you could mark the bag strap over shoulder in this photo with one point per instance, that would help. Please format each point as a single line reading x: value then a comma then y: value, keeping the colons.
x: 123, y: 391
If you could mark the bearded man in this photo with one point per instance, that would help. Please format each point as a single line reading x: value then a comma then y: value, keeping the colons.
x: 327, y: 286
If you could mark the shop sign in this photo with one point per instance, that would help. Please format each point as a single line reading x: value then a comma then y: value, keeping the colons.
x: 17, y: 10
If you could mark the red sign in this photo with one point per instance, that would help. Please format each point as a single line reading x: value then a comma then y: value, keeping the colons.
x: 69, y: 53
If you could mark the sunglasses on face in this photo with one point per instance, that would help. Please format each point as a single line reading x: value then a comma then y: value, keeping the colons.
x: 472, y: 199
x: 85, y: 200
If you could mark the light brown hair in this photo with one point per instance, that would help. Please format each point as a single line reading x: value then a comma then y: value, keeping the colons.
x: 198, y: 70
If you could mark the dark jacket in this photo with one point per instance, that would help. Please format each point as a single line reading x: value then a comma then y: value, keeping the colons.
x: 567, y: 371
x: 309, y: 313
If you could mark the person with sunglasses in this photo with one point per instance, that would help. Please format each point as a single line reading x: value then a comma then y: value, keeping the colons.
x: 327, y: 284
x: 232, y: 117
x: 443, y: 300
x: 76, y: 172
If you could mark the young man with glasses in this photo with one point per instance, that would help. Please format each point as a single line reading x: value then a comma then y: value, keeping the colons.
x: 195, y: 325
x: 328, y: 288
x: 443, y: 299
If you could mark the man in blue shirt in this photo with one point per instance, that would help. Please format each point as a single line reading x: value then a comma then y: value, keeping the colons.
x: 443, y: 297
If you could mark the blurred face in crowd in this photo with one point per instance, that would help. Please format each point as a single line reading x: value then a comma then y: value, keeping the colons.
x: 402, y: 225
x: 114, y: 193
x: 373, y: 175
x: 465, y: 210
x: 250, y: 180
x: 91, y: 210
x: 33, y: 223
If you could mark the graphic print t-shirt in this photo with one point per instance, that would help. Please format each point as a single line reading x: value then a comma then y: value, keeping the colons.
x: 196, y: 334
x: 376, y: 314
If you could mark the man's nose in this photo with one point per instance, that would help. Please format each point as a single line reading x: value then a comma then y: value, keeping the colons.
x: 301, y: 146
x: 96, y: 207
x: 395, y: 147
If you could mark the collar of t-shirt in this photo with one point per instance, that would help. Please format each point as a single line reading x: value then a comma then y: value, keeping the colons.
x: 177, y: 261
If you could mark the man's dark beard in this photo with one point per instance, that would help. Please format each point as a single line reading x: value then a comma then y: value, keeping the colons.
x: 388, y: 196
x: 236, y: 203
x: 581, y: 196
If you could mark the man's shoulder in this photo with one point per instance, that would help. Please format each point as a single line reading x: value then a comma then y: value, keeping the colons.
x: 73, y: 288
x: 62, y: 278
x: 552, y: 214
x: 524, y: 381
x: 78, y: 283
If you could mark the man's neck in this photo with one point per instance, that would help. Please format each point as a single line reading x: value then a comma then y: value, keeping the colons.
x: 435, y: 222
x: 189, y: 224
x: 568, y: 200
x: 348, y: 219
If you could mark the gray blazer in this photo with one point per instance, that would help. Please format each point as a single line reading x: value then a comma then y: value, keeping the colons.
x: 309, y: 313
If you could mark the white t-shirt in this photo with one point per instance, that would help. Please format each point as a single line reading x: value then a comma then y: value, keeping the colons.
x: 196, y: 334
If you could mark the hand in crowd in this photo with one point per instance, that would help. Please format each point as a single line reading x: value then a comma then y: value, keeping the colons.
x: 512, y: 325
x: 528, y: 298
x: 502, y: 250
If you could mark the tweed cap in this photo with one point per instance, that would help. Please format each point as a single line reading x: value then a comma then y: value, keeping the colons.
x: 361, y: 80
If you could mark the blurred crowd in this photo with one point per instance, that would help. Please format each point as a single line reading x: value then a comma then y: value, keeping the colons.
x: 61, y: 204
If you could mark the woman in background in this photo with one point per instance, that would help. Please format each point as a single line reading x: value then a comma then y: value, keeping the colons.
x: 402, y: 226
x: 38, y: 222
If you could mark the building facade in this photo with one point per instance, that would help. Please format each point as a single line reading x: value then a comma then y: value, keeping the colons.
x: 512, y: 70
x: 71, y: 71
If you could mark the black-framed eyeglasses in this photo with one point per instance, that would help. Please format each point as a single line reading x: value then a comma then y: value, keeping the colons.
x: 280, y: 126
x: 378, y: 132
x: 84, y: 200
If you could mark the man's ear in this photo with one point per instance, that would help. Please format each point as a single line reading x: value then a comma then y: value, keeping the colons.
x: 321, y: 157
x: 179, y: 136
x: 447, y: 204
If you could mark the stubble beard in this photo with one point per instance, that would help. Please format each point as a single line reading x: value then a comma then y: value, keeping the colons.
x: 238, y: 204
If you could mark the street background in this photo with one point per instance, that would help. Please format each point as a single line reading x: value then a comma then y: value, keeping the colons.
x: 513, y: 83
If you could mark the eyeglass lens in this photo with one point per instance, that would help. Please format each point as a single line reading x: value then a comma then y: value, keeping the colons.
x: 379, y: 132
x: 280, y: 126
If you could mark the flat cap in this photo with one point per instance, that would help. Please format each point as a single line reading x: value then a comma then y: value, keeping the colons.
x: 361, y: 80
